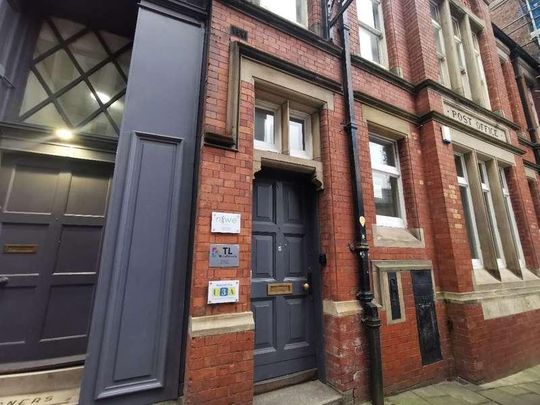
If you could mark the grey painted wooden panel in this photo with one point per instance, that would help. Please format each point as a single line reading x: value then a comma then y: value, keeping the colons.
x: 137, y: 327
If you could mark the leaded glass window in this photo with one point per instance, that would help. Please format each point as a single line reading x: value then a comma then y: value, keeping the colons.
x: 78, y: 79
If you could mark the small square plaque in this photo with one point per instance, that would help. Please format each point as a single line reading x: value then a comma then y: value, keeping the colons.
x: 224, y: 255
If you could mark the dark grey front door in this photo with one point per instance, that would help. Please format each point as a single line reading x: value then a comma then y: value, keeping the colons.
x: 283, y: 258
x: 51, y: 219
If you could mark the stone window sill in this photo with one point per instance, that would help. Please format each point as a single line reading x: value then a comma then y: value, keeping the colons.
x: 384, y: 236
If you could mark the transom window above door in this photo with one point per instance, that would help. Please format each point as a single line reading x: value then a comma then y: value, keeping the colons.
x: 77, y: 79
x: 281, y: 129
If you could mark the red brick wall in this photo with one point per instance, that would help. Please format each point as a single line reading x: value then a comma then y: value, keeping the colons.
x: 220, y: 369
x: 401, y: 351
x: 222, y: 366
x: 506, y: 16
x: 488, y: 349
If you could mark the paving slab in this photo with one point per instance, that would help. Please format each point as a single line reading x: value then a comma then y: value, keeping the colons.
x: 407, y: 398
x: 462, y: 393
x: 532, y: 387
x: 310, y: 393
x: 515, y: 390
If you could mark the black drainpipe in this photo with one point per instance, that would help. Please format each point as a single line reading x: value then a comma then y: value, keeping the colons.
x: 360, y: 248
x: 525, y: 102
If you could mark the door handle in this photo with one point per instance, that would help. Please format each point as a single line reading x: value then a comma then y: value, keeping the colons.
x: 306, y: 286
x: 3, y: 281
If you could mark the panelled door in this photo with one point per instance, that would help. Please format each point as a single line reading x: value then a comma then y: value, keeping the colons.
x: 51, y: 219
x: 284, y: 276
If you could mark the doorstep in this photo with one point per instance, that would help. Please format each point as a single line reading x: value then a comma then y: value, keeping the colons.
x: 309, y: 393
x: 61, y: 397
x: 58, y: 386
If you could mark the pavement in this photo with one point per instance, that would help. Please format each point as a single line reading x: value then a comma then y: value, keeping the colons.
x: 522, y: 388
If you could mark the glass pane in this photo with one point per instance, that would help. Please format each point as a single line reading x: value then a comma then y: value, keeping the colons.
x: 385, y: 188
x: 88, y: 51
x: 67, y: 28
x: 57, y: 70
x: 438, y: 40
x: 368, y: 13
x: 48, y: 116
x: 33, y: 94
x: 116, y: 110
x: 297, y: 139
x: 264, y: 126
x: 469, y: 222
x: 493, y: 225
x: 99, y: 126
x: 78, y: 103
x: 123, y: 60
x: 459, y: 166
x: 457, y: 32
x: 369, y: 46
x: 45, y: 41
x: 482, y: 174
x: 113, y: 41
x: 284, y: 8
x: 382, y: 153
x: 107, y: 82
x: 434, y: 9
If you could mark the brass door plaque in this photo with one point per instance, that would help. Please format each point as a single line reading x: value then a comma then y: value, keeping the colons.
x: 20, y: 248
x: 279, y: 289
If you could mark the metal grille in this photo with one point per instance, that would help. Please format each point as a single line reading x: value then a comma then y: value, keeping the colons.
x: 78, y: 79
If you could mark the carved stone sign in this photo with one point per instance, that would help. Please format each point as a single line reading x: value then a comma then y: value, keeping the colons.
x: 474, y: 121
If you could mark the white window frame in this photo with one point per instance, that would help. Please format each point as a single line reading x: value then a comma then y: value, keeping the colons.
x: 439, y: 37
x: 486, y: 190
x: 481, y: 72
x: 383, y: 220
x: 512, y: 219
x: 276, y: 109
x: 462, y: 62
x: 464, y: 182
x: 383, y: 58
x: 272, y: 6
x: 308, y: 135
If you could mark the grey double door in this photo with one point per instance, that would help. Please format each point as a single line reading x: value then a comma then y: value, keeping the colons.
x: 284, y: 285
x: 51, y: 219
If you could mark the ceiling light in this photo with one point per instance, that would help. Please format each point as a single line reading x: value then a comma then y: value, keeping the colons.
x: 64, y: 133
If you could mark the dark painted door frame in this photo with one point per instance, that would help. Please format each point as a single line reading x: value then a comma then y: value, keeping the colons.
x: 138, y: 326
x: 314, y: 279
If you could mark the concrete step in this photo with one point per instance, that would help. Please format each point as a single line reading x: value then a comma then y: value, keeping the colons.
x: 309, y: 393
x: 61, y: 397
x: 40, y: 381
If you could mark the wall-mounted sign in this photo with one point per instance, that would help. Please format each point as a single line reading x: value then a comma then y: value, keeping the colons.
x: 474, y: 121
x: 221, y: 292
x: 224, y: 256
x: 224, y: 222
